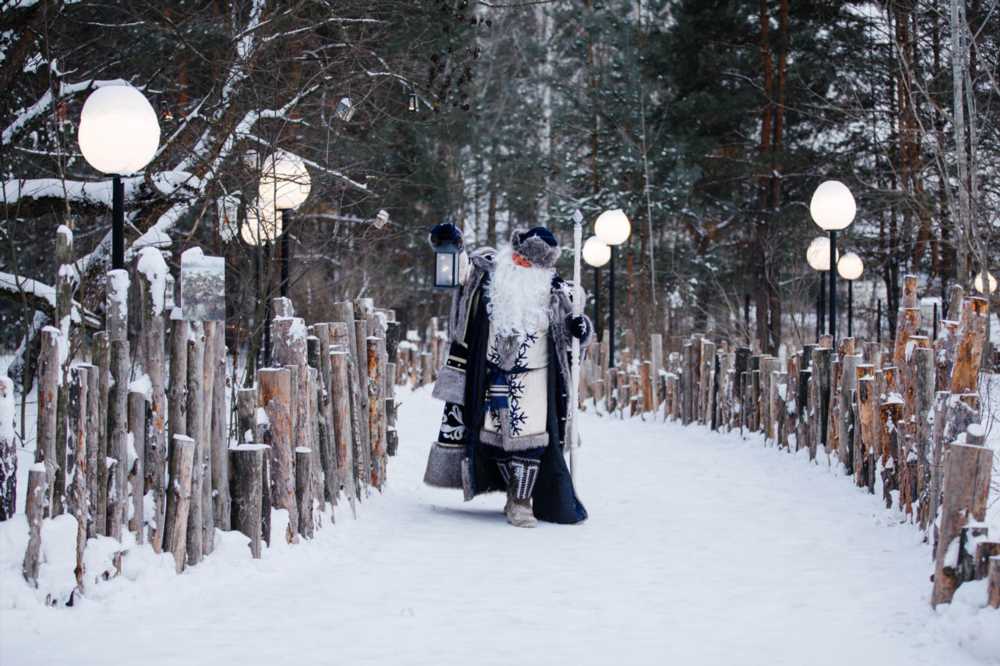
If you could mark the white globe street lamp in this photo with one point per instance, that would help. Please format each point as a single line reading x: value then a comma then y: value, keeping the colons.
x: 595, y: 252
x: 261, y: 227
x: 612, y: 228
x: 850, y: 267
x: 985, y: 283
x: 284, y: 186
x: 832, y: 208
x: 818, y: 254
x: 118, y: 135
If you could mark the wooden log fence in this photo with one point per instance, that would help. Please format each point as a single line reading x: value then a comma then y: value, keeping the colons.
x: 134, y: 423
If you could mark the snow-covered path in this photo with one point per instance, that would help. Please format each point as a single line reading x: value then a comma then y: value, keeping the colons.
x: 701, y: 549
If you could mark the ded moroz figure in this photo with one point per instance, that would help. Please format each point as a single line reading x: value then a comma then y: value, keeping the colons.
x: 505, y: 380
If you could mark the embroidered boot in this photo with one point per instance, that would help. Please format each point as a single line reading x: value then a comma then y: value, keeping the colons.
x: 520, y: 514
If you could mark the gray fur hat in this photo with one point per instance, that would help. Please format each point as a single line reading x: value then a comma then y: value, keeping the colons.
x: 537, y: 245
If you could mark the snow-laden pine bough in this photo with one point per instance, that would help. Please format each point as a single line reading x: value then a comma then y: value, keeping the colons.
x: 134, y: 438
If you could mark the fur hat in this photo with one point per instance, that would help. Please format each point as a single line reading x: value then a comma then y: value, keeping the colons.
x: 445, y: 233
x: 537, y: 245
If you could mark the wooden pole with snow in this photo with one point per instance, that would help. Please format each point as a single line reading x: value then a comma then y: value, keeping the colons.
x: 93, y: 445
x: 137, y: 433
x: 152, y: 270
x: 117, y: 299
x: 195, y: 425
x: 65, y: 286
x: 246, y: 488
x: 275, y: 395
x: 965, y: 494
x: 343, y: 431
x: 48, y: 395
x: 79, y: 498
x: 220, y: 435
x: 304, y: 491
x: 175, y: 527
x: 35, y: 500
x: 8, y: 450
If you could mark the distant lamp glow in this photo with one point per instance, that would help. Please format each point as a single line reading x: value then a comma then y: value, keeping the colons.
x: 345, y: 109
x: 985, y: 283
x: 284, y: 181
x: 595, y: 252
x: 119, y: 131
x: 262, y: 226
x: 612, y: 227
x: 818, y: 254
x: 850, y: 266
x: 832, y: 206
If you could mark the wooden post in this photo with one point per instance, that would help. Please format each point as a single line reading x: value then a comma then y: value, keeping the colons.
x: 922, y: 383
x: 246, y: 476
x: 687, y: 387
x: 804, y: 437
x: 48, y: 396
x: 275, y: 388
x: 66, y: 281
x: 137, y: 430
x: 291, y: 350
x: 969, y: 351
x: 152, y: 285
x: 93, y: 444
x: 79, y: 500
x: 706, y: 380
x: 993, y: 585
x: 35, y: 501
x: 822, y: 361
x: 175, y: 528
x: 376, y: 408
x: 221, y: 500
x: 391, y: 435
x: 8, y: 452
x: 303, y: 490
x: 320, y: 358
x: 965, y: 494
x: 343, y: 433
x: 656, y: 367
x: 868, y: 414
x: 317, y: 491
x: 246, y: 415
x: 848, y: 384
x: 117, y: 304
x: 195, y: 428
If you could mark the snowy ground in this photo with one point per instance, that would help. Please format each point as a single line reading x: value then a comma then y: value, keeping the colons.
x: 701, y: 549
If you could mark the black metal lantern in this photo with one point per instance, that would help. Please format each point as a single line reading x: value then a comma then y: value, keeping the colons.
x: 446, y: 265
x: 446, y: 239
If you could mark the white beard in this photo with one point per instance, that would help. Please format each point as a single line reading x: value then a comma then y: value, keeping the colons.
x: 519, y: 297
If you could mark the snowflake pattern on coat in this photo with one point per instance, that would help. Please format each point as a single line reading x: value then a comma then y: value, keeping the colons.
x: 517, y: 415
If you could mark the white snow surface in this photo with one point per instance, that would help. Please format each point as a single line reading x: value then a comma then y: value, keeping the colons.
x: 701, y: 548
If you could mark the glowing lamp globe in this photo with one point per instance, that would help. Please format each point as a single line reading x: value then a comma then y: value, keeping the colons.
x: 595, y: 252
x: 284, y: 181
x: 262, y: 226
x: 850, y: 266
x: 612, y: 227
x: 818, y: 254
x: 119, y: 131
x: 985, y: 283
x: 832, y: 206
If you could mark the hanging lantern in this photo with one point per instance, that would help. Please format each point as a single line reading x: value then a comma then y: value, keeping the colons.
x: 381, y: 219
x: 446, y: 239
x: 412, y: 106
x: 345, y: 109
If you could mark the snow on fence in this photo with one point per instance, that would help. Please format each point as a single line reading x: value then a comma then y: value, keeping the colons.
x: 135, y: 444
x: 904, y: 419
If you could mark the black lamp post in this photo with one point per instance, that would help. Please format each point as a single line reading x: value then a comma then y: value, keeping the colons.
x: 612, y: 228
x: 119, y: 134
x: 832, y: 208
x: 596, y: 254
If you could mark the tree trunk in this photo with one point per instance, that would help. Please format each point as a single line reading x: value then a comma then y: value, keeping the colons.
x: 175, y: 528
x: 35, y: 501
x: 195, y: 428
x: 48, y: 395
x: 275, y: 389
x: 137, y: 429
x: 8, y: 451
